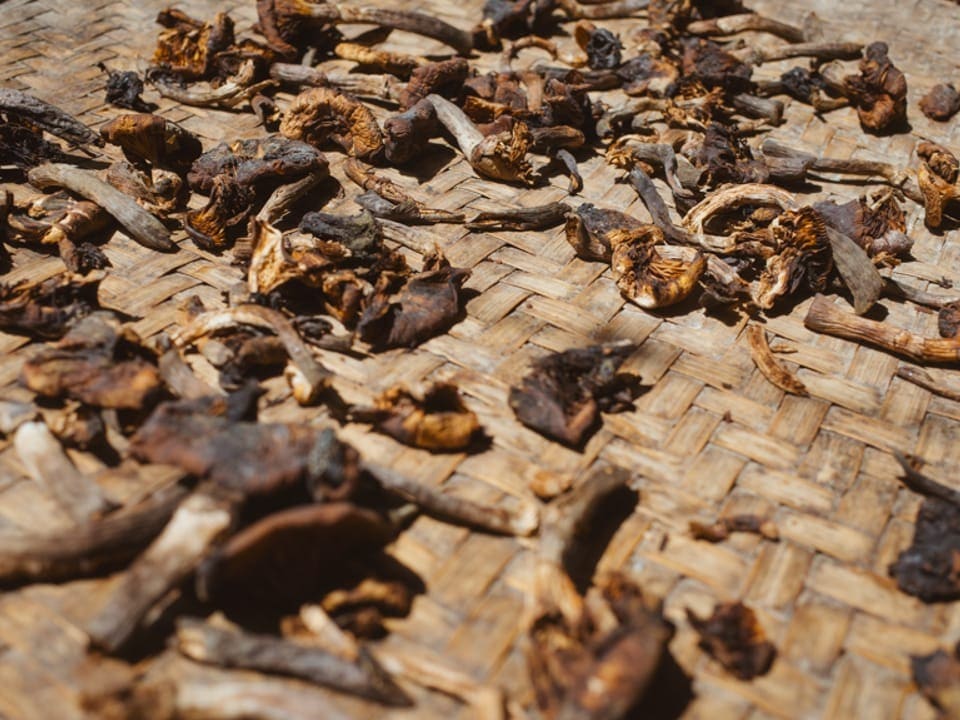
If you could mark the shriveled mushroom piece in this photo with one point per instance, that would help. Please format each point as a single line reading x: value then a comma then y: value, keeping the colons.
x: 649, y: 279
x: 437, y: 421
x: 291, y: 556
x: 803, y: 256
x: 428, y: 303
x: 699, y: 219
x: 160, y: 192
x: 563, y: 395
x: 879, y: 91
x: 941, y: 103
x: 59, y: 220
x: 124, y: 89
x: 876, y: 223
x: 594, y: 232
x: 734, y: 637
x: 47, y: 309
x: 706, y: 62
x: 307, y: 377
x: 937, y: 177
x: 97, y: 362
x: 385, y: 199
x: 648, y: 75
x: 28, y: 109
x: 321, y: 114
x: 233, y: 648
x: 154, y: 140
x: 189, y: 47
x: 240, y: 86
x: 406, y: 135
x: 292, y: 24
x: 440, y: 78
x: 938, y: 677
x: 928, y: 569
x: 502, y: 156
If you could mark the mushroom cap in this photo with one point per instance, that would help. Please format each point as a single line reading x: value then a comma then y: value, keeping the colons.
x: 652, y: 281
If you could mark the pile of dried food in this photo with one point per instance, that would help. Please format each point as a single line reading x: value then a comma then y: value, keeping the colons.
x: 276, y: 532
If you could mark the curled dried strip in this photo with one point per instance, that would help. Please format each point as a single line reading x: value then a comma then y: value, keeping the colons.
x: 322, y: 114
x: 767, y: 364
x: 36, y: 112
x: 237, y: 88
x: 307, y: 377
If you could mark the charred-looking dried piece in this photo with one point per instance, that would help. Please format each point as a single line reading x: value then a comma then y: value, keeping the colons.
x: 879, y: 92
x: 733, y: 636
x: 47, y: 309
x: 602, y: 47
x: 803, y: 257
x: 540, y: 217
x: 308, y: 378
x: 406, y: 135
x: 502, y: 156
x: 189, y: 47
x: 441, y: 78
x: 594, y: 232
x: 704, y: 61
x: 167, y: 562
x: 724, y: 157
x: 825, y: 317
x: 564, y: 394
x: 941, y: 103
x: 160, y: 192
x: 151, y: 139
x: 287, y: 557
x: 90, y: 547
x: 24, y: 147
x: 437, y: 421
x: 124, y: 89
x: 232, y: 648
x: 928, y: 569
x: 427, y: 304
x: 320, y: 115
x: 261, y: 163
x: 938, y: 677
x: 937, y: 177
x: 875, y: 223
x: 768, y: 365
x: 948, y: 319
x: 98, y: 363
x: 32, y: 111
x: 721, y: 529
x: 649, y: 279
x: 808, y: 87
x: 141, y: 225
x: 292, y: 24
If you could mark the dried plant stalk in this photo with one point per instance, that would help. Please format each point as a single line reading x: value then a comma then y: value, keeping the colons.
x: 922, y: 378
x: 768, y: 365
x: 825, y: 317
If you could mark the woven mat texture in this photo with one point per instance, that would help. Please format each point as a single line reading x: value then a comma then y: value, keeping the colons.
x: 712, y: 436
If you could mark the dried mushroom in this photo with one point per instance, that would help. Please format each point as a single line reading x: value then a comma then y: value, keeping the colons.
x: 322, y: 114
x: 151, y: 139
x: 24, y: 109
x: 189, y: 47
x: 98, y: 363
x: 803, y: 257
x: 650, y: 280
x: 929, y: 568
x: 49, y: 308
x: 941, y: 103
x: 437, y: 421
x: 428, y: 303
x: 564, y: 394
x: 733, y: 636
x: 875, y: 223
x: 124, y: 89
x: 406, y: 135
x: 937, y: 178
x: 441, y: 78
x: 879, y: 92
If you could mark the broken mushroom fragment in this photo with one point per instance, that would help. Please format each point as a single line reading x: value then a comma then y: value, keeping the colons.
x: 767, y: 364
x: 734, y: 637
x: 188, y: 48
x: 440, y: 78
x: 937, y: 177
x: 803, y: 257
x: 124, y: 89
x: 928, y: 568
x: 651, y: 280
x: 540, y: 217
x: 564, y: 394
x: 427, y: 304
x: 97, y: 362
x: 321, y: 114
x: 154, y: 140
x: 406, y: 135
x: 35, y: 112
x: 941, y: 103
x: 879, y: 92
x: 49, y: 308
x: 938, y: 677
x: 437, y: 421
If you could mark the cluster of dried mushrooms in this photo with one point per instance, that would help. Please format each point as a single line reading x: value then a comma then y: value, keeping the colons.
x: 277, y: 532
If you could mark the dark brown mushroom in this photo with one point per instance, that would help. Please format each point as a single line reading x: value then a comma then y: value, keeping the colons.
x: 406, y: 135
x: 442, y: 78
x: 928, y: 569
x: 151, y: 139
x: 941, y: 103
x: 563, y: 395
x: 733, y: 636
x: 879, y: 92
x: 49, y: 308
x: 124, y: 89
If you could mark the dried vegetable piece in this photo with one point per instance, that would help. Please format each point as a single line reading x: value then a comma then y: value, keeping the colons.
x: 937, y: 178
x: 879, y: 92
x: 438, y: 421
x: 938, y: 677
x: 188, y: 47
x: 563, y: 396
x: 49, y: 308
x: 427, y: 303
x: 803, y: 257
x: 98, y: 363
x: 941, y: 103
x: 441, y: 78
x: 32, y: 111
x: 733, y: 636
x: 930, y: 568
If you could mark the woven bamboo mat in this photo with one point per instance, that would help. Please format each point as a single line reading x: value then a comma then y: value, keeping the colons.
x: 712, y: 436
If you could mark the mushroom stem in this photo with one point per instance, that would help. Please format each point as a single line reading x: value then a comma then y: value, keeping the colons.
x: 817, y: 50
x: 602, y: 10
x: 49, y: 466
x: 901, y: 291
x: 194, y: 527
x: 370, y: 87
x: 231, y: 93
x: 825, y: 317
x: 540, y: 217
x: 90, y: 547
x: 449, y: 507
x: 768, y: 365
x: 918, y: 482
x: 455, y: 120
x: 657, y: 207
x: 363, y: 677
x: 142, y: 226
x: 408, y: 20
x: 733, y: 24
